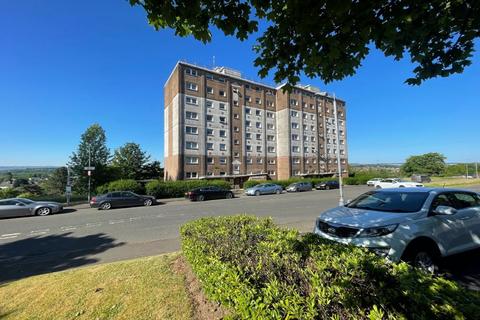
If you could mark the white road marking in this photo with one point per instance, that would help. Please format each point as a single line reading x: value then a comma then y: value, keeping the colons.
x: 67, y: 228
x: 116, y: 221
x: 135, y: 218
x: 11, y: 234
x: 90, y: 225
x: 38, y: 232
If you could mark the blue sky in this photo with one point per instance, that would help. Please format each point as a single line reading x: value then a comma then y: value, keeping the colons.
x: 67, y: 64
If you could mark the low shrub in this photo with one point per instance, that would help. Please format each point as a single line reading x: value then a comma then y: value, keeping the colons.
x: 260, y: 271
x: 8, y: 193
x: 174, y: 189
x: 121, y: 185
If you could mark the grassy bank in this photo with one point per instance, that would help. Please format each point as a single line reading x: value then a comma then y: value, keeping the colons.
x: 144, y: 288
x: 452, y: 182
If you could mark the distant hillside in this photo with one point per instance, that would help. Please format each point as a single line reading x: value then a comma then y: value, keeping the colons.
x: 28, y: 168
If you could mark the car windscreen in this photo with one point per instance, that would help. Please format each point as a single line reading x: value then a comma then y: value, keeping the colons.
x: 389, y: 201
x: 25, y: 201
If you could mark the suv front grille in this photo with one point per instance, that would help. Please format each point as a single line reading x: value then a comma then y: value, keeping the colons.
x: 336, y: 231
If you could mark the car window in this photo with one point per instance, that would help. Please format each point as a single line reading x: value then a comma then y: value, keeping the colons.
x: 390, y: 201
x: 8, y: 203
x: 115, y: 195
x: 462, y: 200
x: 441, y: 200
x: 127, y: 194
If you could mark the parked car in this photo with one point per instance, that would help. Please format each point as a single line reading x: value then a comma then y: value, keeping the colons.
x: 118, y: 199
x: 264, y: 188
x: 421, y: 178
x: 372, y: 182
x: 18, y: 207
x: 417, y: 225
x: 299, y: 186
x: 327, y: 185
x: 208, y: 193
x: 396, y: 183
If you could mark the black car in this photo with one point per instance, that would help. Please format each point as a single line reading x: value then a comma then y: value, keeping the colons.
x: 118, y: 199
x: 208, y: 193
x: 327, y: 185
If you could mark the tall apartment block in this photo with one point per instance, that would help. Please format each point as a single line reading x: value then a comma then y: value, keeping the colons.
x: 218, y: 124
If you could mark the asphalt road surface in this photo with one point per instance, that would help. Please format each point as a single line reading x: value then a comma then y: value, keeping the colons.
x: 36, y: 245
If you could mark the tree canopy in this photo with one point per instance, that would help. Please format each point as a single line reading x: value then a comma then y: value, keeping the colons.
x: 432, y: 163
x: 330, y: 38
x: 130, y: 160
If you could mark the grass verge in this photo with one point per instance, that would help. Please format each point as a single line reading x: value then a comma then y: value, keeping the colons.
x: 452, y: 182
x: 145, y: 288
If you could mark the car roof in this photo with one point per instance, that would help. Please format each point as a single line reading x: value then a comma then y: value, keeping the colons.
x: 425, y: 190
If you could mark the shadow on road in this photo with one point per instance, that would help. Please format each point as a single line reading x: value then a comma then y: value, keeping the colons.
x: 38, y: 255
x: 464, y: 268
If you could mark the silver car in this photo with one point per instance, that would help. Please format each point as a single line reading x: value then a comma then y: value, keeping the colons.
x: 19, y: 207
x: 264, y: 188
x: 299, y: 186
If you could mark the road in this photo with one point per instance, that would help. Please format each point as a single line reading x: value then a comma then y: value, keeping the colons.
x: 36, y: 245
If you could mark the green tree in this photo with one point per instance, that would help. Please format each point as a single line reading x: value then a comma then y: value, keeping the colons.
x: 93, y: 143
x: 330, y: 38
x: 432, y: 163
x: 152, y: 170
x: 9, y: 176
x: 130, y: 160
x: 56, y: 182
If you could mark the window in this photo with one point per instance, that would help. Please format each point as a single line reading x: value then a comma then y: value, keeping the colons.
x: 258, y: 125
x: 258, y: 101
x: 313, y: 139
x: 247, y: 86
x: 248, y: 123
x: 259, y: 160
x: 209, y: 90
x: 312, y: 117
x: 191, y: 175
x: 258, y: 112
x: 223, y: 120
x: 209, y: 173
x: 236, y: 154
x: 249, y: 148
x: 191, y: 130
x: 294, y: 114
x: 270, y: 138
x: 223, y: 147
x: 236, y: 142
x: 209, y: 132
x: 191, y: 160
x: 270, y: 115
x: 191, y: 115
x: 223, y: 133
x: 293, y: 102
x: 305, y: 116
x: 222, y: 106
x: 249, y: 160
x: 305, y: 138
x: 296, y: 160
x: 295, y: 137
x: 209, y: 146
x: 248, y: 111
x: 236, y: 167
x: 223, y: 160
x: 220, y: 79
x: 271, y: 161
x: 209, y: 104
x: 223, y: 173
x: 295, y: 125
x: 209, y: 76
x: 312, y: 128
x: 270, y: 103
x: 191, y: 72
x: 271, y: 172
x: 270, y: 126
x: 236, y: 129
x: 192, y: 86
x: 295, y: 149
x: 248, y: 98
x: 222, y: 93
x: 210, y: 160
x: 248, y: 135
x: 191, y: 100
x: 209, y: 118
x: 271, y: 150
x: 305, y: 149
x: 192, y: 145
x: 342, y: 152
x: 259, y: 136
x: 259, y: 148
x: 236, y: 116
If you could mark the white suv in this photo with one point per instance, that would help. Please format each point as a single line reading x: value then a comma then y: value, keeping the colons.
x: 417, y: 225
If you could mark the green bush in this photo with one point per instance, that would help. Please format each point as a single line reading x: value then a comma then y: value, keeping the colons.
x: 121, y: 185
x: 174, y: 189
x: 8, y: 193
x: 259, y: 271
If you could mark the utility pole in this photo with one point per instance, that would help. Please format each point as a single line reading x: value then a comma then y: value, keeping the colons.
x: 339, y: 165
x: 89, y: 172
x: 69, y: 187
x: 476, y: 170
x: 466, y: 169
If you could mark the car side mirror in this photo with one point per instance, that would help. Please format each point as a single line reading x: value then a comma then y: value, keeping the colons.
x: 348, y: 202
x: 19, y: 204
x: 445, y: 210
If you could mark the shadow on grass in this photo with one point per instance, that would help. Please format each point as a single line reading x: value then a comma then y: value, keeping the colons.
x: 39, y: 255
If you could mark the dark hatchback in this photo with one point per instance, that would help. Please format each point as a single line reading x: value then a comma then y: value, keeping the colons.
x: 209, y: 193
x: 327, y: 185
x: 119, y: 199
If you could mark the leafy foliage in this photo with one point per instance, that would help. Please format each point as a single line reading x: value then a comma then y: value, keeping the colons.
x: 56, y: 182
x: 121, y: 185
x: 173, y: 189
x: 152, y: 170
x: 429, y: 163
x: 330, y: 38
x: 130, y: 159
x: 93, y: 141
x: 8, y: 193
x: 260, y: 271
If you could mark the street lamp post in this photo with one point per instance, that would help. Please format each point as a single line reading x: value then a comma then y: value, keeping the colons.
x: 89, y: 172
x: 339, y: 165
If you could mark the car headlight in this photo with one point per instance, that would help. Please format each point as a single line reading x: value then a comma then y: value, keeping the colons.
x: 377, y: 231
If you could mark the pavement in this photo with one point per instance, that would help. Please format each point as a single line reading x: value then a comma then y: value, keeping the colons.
x: 84, y: 236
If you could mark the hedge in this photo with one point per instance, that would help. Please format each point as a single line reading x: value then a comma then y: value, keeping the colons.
x: 121, y: 185
x: 257, y: 270
x: 285, y: 183
x: 174, y: 189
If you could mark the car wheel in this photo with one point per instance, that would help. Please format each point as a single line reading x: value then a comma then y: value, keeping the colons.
x: 106, y: 206
x: 424, y: 258
x: 401, y: 186
x: 278, y: 191
x: 201, y: 198
x: 257, y: 193
x: 147, y: 202
x: 378, y: 187
x: 229, y: 195
x: 45, y: 211
x: 327, y: 188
